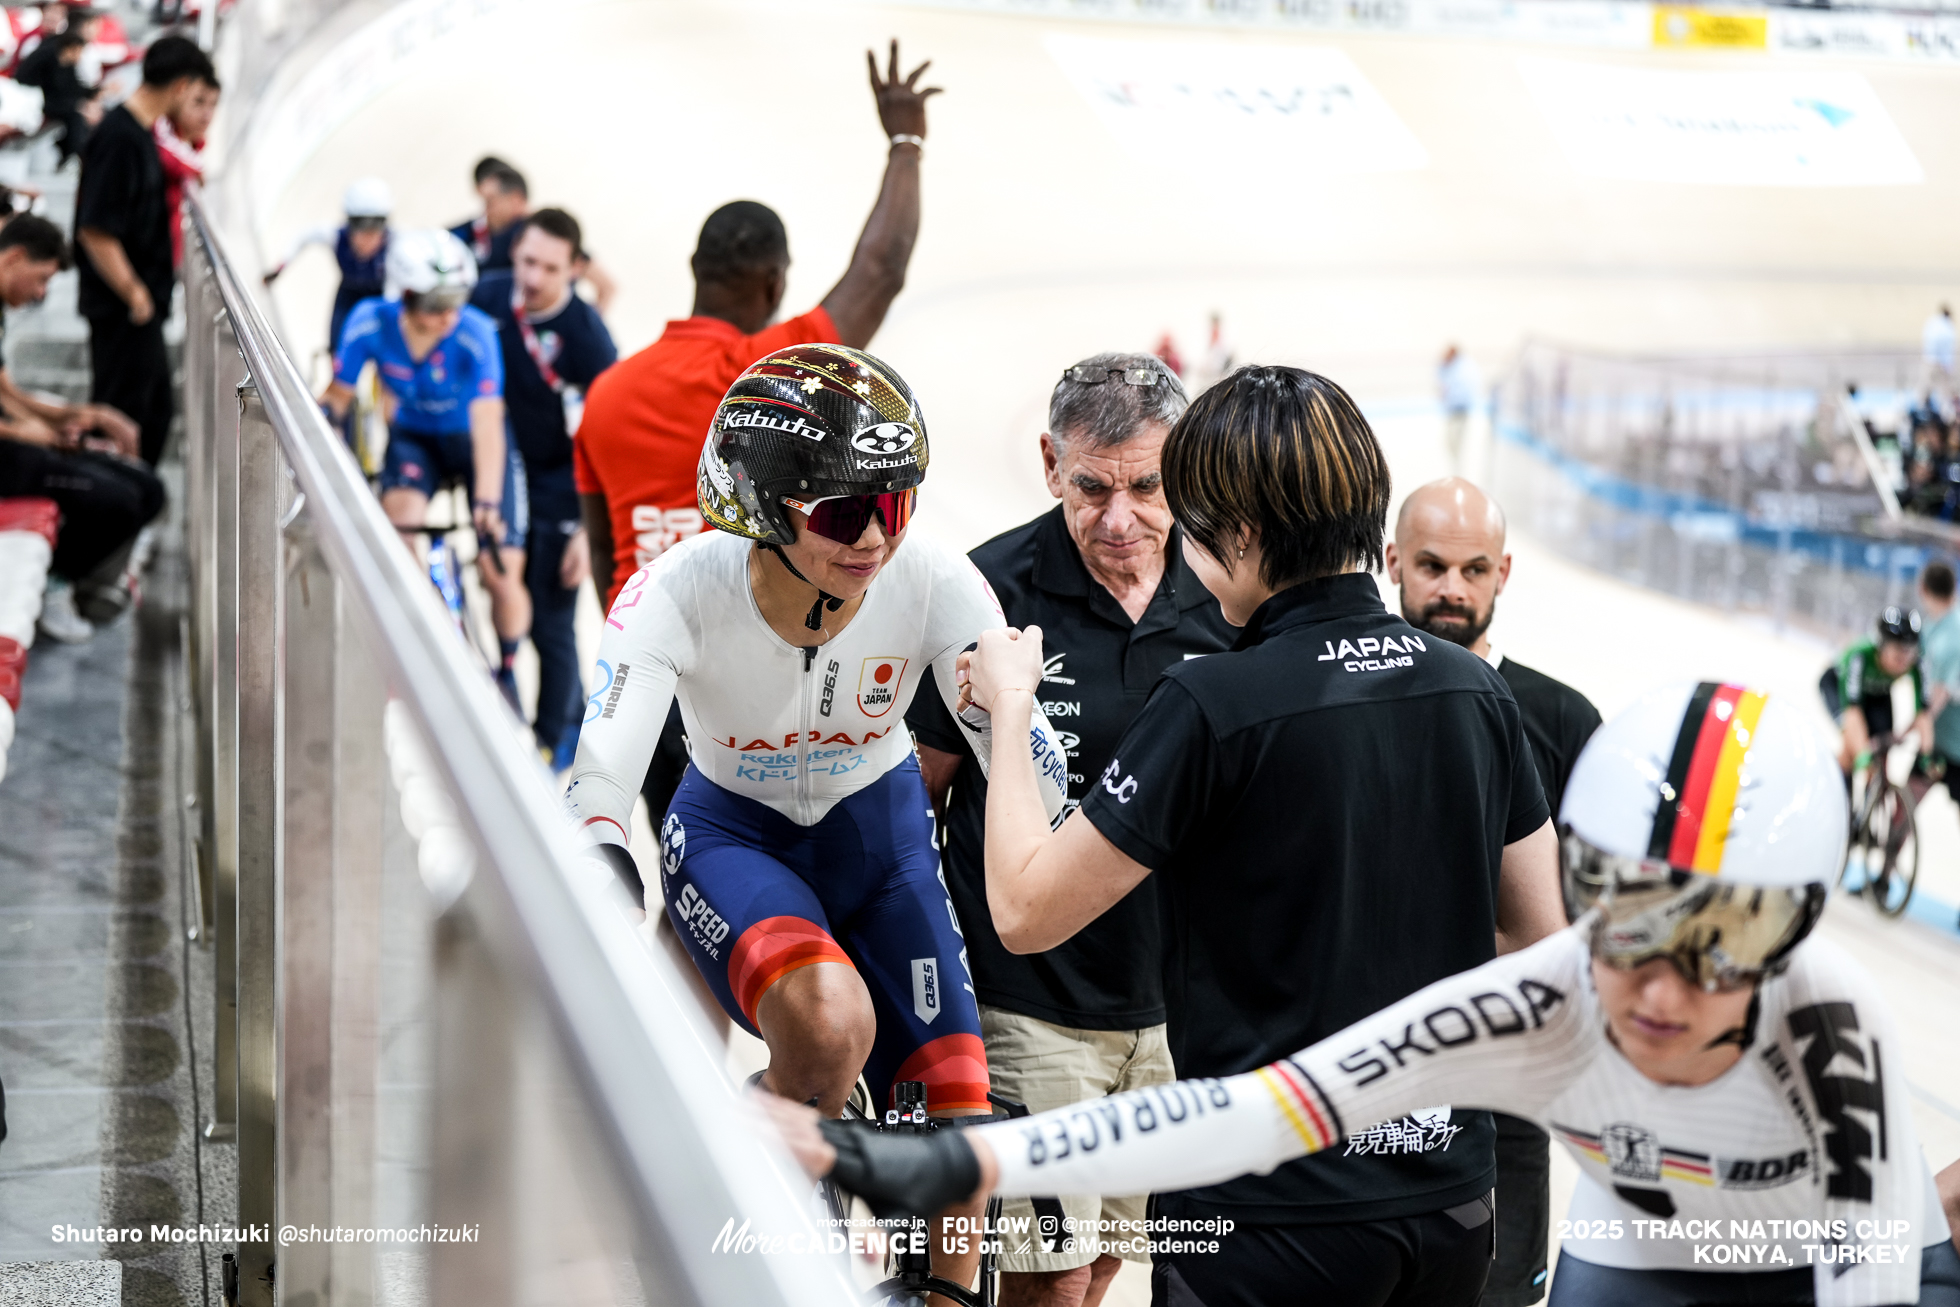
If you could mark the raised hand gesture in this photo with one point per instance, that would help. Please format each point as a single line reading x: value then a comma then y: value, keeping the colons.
x: 901, y: 103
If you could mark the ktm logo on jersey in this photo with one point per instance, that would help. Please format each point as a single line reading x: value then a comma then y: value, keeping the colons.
x: 791, y: 740
x: 878, y: 684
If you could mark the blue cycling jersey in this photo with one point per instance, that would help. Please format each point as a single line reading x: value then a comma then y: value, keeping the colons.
x: 434, y: 395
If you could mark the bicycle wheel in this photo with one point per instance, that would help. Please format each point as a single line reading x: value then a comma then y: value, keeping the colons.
x: 1895, y: 850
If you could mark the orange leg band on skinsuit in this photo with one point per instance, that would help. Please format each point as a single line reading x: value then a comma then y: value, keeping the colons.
x: 770, y: 950
x: 954, y: 1068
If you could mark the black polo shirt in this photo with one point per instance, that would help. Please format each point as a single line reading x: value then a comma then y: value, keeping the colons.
x: 1558, y: 721
x: 1325, y: 809
x: 1101, y: 667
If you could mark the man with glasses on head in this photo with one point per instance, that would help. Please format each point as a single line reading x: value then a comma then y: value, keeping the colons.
x: 1103, y: 575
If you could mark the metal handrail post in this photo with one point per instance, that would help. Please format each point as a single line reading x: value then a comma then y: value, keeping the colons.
x: 361, y: 789
x: 229, y: 371
x: 200, y: 551
x: 261, y: 568
x: 305, y: 911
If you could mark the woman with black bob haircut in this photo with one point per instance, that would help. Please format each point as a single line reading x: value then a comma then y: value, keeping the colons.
x: 1276, y: 462
x: 1340, y: 811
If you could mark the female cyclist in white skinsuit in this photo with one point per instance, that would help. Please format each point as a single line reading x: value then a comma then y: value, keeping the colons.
x: 1737, y: 1104
x: 797, y: 859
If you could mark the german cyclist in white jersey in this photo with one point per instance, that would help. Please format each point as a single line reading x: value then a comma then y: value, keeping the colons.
x: 797, y: 859
x: 1735, y: 1097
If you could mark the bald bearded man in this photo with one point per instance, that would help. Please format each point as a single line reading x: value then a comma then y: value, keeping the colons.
x: 1448, y: 559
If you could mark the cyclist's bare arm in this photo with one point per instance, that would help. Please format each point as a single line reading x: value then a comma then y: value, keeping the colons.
x: 598, y: 529
x: 1857, y: 736
x: 338, y: 396
x: 487, y: 451
x: 857, y: 304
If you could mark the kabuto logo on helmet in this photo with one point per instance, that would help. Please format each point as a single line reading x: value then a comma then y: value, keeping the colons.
x: 788, y: 422
x: 885, y: 438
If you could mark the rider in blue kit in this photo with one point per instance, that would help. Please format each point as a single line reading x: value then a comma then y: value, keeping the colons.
x: 360, y: 247
x: 443, y: 374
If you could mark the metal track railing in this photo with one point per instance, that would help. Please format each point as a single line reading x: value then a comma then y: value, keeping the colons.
x: 1748, y: 482
x: 431, y: 1011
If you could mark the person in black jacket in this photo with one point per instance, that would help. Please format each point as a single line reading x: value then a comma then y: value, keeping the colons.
x: 1339, y: 811
x: 51, y: 66
x: 1448, y: 558
x: 1103, y: 574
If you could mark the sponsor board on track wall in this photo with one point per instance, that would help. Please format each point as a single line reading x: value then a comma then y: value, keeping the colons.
x: 1231, y: 102
x: 1793, y: 127
x: 1595, y: 24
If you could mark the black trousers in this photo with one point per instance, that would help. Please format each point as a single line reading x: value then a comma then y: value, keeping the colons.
x: 104, y: 501
x: 554, y: 520
x: 131, y: 372
x: 1432, y: 1260
x: 1524, y: 1211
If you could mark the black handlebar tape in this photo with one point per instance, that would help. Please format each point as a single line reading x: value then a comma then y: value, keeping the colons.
x: 902, y: 1174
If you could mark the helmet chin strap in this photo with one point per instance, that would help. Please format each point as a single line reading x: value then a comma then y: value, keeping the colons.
x: 1744, y: 1035
x: 824, y: 599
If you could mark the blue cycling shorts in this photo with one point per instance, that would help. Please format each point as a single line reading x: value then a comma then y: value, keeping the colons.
x: 754, y: 896
x: 424, y: 460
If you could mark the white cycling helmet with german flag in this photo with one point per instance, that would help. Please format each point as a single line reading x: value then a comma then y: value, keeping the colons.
x: 1704, y: 825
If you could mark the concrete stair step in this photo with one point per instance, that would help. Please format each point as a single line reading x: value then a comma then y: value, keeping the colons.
x: 61, y: 1284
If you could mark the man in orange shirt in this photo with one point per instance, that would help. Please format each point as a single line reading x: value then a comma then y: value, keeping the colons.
x: 637, y: 448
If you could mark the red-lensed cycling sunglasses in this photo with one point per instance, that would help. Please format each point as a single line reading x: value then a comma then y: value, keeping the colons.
x: 844, y: 518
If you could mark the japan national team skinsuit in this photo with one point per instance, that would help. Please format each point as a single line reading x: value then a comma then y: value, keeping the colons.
x: 801, y: 832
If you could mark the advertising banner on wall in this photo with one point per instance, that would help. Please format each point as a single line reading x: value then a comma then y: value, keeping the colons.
x: 1786, y: 127
x: 1235, y: 103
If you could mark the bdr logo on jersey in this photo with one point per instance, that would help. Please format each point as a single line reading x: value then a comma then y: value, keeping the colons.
x: 878, y: 684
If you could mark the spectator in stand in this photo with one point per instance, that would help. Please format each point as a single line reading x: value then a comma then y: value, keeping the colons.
x: 1103, y: 575
x: 82, y: 456
x: 53, y: 66
x: 1936, y: 343
x: 1457, y: 384
x: 1448, y: 560
x: 506, y: 200
x: 646, y: 419
x: 554, y: 346
x: 122, y: 224
x: 180, y: 148
x: 1939, y: 664
x: 359, y: 245
x: 1166, y: 353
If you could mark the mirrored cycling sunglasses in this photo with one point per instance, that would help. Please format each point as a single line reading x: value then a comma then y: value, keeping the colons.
x: 1089, y: 376
x: 436, y: 301
x: 844, y: 518
x: 1719, y: 935
x: 367, y: 222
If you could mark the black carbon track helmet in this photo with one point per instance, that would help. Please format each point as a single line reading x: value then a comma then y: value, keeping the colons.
x: 809, y: 422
